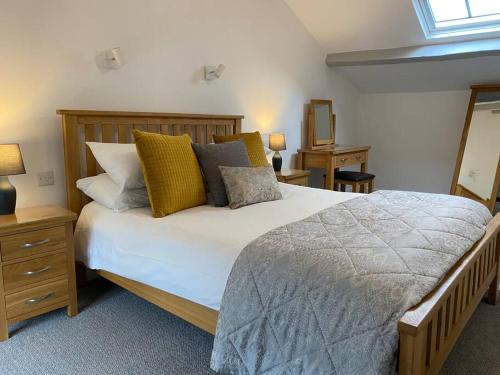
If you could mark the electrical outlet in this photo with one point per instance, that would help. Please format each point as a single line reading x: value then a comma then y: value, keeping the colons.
x: 46, y: 178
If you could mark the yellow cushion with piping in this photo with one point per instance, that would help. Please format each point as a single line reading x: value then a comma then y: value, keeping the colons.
x: 255, y: 146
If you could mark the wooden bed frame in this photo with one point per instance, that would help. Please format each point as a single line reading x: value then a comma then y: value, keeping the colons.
x: 427, y: 331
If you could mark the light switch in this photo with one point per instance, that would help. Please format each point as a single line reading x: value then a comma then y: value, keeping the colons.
x: 46, y: 178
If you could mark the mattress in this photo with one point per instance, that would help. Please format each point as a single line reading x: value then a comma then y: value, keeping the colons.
x: 189, y: 253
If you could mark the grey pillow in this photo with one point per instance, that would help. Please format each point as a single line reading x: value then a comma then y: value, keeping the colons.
x: 246, y: 186
x: 210, y: 157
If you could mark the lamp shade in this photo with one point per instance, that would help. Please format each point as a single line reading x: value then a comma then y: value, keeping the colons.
x: 11, y: 161
x: 277, y: 142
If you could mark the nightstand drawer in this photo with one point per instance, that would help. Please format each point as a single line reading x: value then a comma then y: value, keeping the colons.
x: 37, y: 298
x: 350, y: 159
x: 30, y: 243
x: 32, y: 271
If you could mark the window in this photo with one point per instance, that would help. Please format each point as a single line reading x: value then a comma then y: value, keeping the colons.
x: 445, y: 18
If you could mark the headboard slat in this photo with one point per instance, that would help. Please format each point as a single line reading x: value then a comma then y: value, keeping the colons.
x: 116, y: 127
x: 141, y: 127
x: 208, y: 133
x: 153, y: 128
x: 108, y: 133
x: 198, y: 138
x: 89, y: 157
x: 164, y: 129
x: 123, y: 133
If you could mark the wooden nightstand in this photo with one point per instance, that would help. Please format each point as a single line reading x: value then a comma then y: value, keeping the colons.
x: 293, y: 177
x: 37, y: 264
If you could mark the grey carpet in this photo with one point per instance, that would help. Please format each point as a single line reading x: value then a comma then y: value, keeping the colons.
x: 119, y: 333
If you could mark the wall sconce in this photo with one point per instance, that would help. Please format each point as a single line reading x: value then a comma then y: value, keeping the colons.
x: 212, y: 72
x: 113, y: 58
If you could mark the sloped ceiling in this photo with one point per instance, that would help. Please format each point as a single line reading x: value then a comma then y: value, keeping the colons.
x: 360, y: 25
x: 356, y: 25
x: 424, y: 76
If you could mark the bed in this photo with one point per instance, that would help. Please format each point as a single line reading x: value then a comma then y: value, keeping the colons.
x: 189, y: 253
x: 427, y: 332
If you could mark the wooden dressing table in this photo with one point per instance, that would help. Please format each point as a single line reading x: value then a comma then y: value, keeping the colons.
x: 331, y: 157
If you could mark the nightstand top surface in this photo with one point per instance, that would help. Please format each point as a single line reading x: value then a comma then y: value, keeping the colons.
x: 38, y: 215
x: 292, y: 173
x: 336, y: 149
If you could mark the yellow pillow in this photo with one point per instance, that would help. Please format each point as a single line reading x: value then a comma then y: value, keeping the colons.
x: 255, y: 147
x: 171, y: 172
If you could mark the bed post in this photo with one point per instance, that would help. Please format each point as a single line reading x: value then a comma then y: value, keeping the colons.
x: 72, y: 161
x: 411, y: 352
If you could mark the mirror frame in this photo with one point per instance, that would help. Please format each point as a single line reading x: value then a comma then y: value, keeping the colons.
x: 490, y: 203
x: 312, y: 141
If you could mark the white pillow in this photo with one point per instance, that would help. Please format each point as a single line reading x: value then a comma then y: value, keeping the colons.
x: 269, y: 154
x: 121, y: 163
x: 104, y: 191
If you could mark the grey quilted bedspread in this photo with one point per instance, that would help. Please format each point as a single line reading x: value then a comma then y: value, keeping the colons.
x: 323, y: 295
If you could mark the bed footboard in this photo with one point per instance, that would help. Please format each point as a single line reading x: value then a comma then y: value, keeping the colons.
x: 429, y: 331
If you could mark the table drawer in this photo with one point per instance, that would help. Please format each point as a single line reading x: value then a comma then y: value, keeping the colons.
x: 31, y: 300
x: 349, y: 159
x: 300, y: 181
x: 33, y: 271
x: 30, y: 243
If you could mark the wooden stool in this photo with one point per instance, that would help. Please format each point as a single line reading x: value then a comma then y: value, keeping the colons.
x: 360, y: 182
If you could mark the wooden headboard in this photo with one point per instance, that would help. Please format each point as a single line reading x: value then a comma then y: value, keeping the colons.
x: 116, y: 127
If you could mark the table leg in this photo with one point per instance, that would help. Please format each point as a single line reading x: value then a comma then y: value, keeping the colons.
x: 330, y: 173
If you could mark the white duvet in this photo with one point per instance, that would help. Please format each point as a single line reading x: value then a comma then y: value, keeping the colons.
x: 189, y: 253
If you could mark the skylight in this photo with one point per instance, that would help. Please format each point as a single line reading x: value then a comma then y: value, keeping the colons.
x: 444, y: 18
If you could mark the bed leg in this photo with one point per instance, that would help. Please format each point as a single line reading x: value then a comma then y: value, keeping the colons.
x: 493, y: 293
x: 81, y: 274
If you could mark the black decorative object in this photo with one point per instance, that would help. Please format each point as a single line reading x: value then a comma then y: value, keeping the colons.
x: 277, y: 143
x: 11, y: 163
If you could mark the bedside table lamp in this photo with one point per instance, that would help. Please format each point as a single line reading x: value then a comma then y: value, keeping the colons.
x: 277, y: 143
x: 11, y: 163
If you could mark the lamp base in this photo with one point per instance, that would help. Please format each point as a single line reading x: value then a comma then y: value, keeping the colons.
x: 277, y: 161
x: 7, y: 196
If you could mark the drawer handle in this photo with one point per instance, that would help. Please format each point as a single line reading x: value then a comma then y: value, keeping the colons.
x: 34, y: 244
x: 31, y: 273
x: 35, y: 300
x: 358, y: 157
x: 343, y: 160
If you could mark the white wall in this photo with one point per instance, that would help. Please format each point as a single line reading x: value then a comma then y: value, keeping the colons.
x: 48, y: 51
x: 414, y: 137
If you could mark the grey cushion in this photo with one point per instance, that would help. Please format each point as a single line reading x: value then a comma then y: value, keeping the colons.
x: 210, y: 157
x: 246, y: 186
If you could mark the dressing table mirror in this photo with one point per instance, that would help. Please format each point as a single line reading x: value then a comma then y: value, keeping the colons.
x: 477, y: 170
x: 321, y: 126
